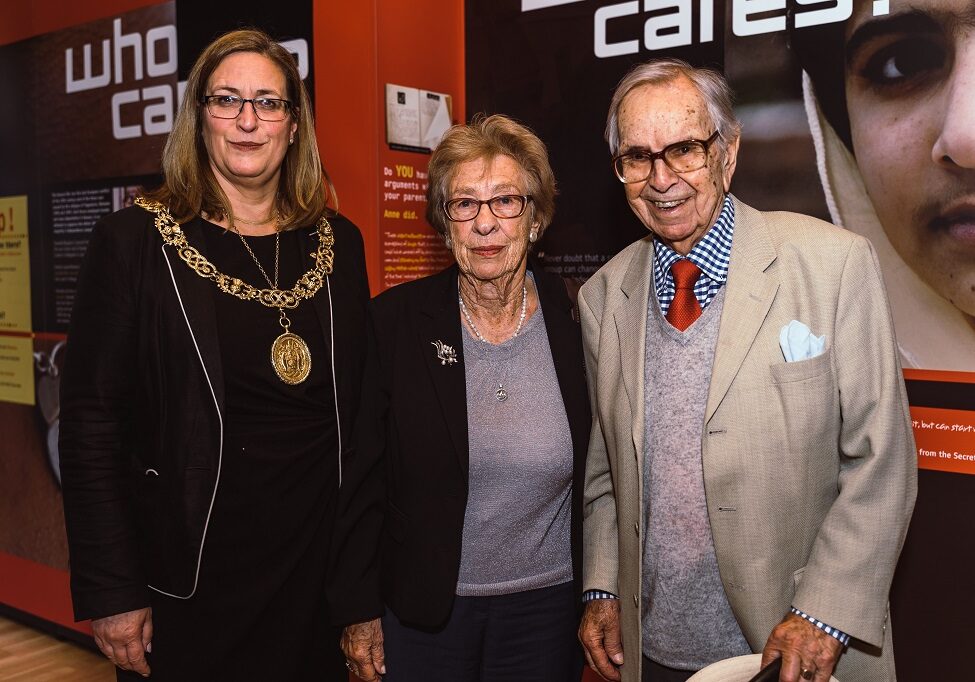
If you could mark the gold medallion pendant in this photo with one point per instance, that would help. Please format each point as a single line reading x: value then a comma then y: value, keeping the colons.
x: 290, y: 355
x: 291, y: 358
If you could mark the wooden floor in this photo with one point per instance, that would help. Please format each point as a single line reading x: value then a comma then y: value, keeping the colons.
x: 27, y: 655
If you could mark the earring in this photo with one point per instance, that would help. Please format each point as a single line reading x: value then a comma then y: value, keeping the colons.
x: 448, y: 242
x: 291, y: 140
x: 532, y: 235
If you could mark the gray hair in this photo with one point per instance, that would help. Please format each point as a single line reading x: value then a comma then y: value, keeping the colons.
x: 487, y: 137
x: 712, y: 86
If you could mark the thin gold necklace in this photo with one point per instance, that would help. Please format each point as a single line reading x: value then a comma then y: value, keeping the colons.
x: 286, y: 354
x: 269, y: 219
x: 290, y: 355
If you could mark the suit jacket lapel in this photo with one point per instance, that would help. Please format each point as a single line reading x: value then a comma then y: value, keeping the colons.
x: 440, y: 321
x: 196, y: 298
x: 631, y: 327
x: 309, y: 244
x: 330, y: 304
x: 749, y: 294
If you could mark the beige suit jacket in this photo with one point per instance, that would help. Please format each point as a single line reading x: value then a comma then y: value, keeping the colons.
x: 809, y: 467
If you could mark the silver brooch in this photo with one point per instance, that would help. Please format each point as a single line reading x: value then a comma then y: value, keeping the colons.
x: 446, y: 354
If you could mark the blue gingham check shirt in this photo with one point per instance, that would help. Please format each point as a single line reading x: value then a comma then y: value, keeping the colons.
x: 713, y: 256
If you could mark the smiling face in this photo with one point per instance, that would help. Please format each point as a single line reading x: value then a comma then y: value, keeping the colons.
x: 910, y: 88
x: 488, y: 248
x: 678, y: 208
x: 246, y: 152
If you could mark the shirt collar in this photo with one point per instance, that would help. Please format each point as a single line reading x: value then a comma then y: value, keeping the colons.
x: 712, y: 254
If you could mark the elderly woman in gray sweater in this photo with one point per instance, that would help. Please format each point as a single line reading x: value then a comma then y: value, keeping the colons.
x: 460, y: 529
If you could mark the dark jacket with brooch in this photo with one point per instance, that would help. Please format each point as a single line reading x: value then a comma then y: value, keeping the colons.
x: 142, y: 404
x: 399, y: 533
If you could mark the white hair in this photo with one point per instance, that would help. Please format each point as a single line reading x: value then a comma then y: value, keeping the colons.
x: 714, y: 89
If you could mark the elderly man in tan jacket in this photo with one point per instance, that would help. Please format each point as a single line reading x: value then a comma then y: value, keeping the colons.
x: 751, y: 470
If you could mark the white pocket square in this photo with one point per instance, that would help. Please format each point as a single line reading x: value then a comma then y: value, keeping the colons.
x: 799, y: 343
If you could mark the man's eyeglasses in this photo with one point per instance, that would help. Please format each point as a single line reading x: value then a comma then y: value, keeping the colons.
x: 502, y: 206
x: 230, y: 106
x: 680, y: 157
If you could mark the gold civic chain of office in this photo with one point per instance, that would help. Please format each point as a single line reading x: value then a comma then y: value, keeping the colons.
x: 306, y: 286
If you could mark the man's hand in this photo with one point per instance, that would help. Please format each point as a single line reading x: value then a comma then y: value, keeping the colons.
x: 362, y: 644
x: 125, y: 638
x: 599, y: 633
x: 807, y: 652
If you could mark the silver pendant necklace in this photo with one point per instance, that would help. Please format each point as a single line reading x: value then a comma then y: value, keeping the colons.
x: 500, y: 393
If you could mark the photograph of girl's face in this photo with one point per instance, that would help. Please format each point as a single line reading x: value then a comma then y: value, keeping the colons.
x: 910, y: 90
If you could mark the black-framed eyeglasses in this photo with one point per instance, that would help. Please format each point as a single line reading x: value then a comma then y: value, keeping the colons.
x: 502, y: 206
x: 681, y: 157
x: 265, y: 108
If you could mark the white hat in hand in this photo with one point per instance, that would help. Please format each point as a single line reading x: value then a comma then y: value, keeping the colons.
x: 738, y: 669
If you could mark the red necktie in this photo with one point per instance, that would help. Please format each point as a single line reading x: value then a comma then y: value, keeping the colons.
x: 684, y: 309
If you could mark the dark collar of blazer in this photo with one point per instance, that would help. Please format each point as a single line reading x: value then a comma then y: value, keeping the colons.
x: 441, y: 321
x: 340, y: 295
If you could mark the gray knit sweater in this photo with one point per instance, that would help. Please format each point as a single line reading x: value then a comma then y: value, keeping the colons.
x: 516, y: 527
x: 687, y: 621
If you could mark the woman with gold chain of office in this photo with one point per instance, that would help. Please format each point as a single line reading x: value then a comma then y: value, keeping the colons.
x: 212, y: 383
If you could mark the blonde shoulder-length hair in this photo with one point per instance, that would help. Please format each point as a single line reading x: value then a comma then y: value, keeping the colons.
x: 190, y: 187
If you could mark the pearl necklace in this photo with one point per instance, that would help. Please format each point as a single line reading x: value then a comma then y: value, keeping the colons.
x: 477, y: 332
x: 500, y: 393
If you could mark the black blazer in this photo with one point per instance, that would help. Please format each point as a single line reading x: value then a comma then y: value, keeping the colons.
x: 142, y: 400
x: 407, y: 492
